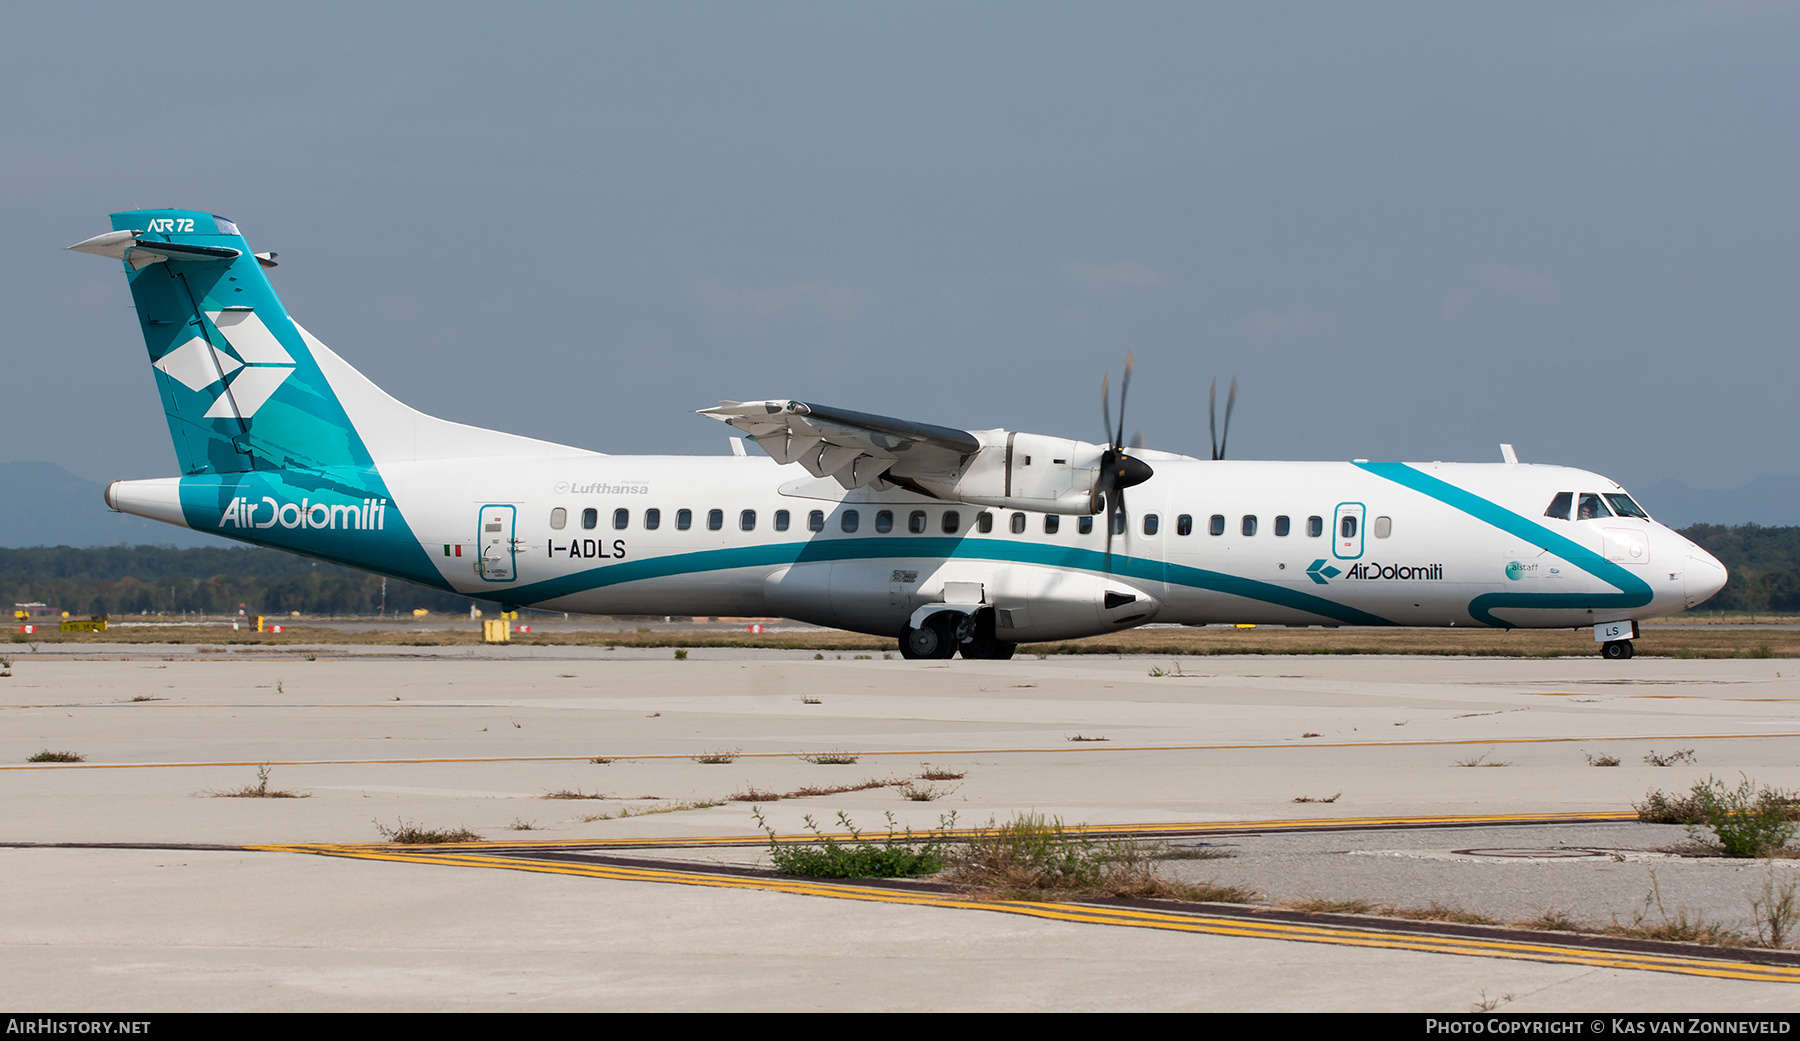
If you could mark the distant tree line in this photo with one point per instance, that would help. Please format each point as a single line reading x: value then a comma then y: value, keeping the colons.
x: 127, y: 580
x: 121, y: 580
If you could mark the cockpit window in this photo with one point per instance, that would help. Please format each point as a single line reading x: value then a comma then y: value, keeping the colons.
x: 1561, y: 505
x: 1623, y: 505
x: 1591, y: 508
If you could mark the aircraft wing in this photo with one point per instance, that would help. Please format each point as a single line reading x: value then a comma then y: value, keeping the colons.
x: 855, y: 448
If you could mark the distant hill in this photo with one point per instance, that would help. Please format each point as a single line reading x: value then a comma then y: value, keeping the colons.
x: 1768, y: 501
x: 41, y: 504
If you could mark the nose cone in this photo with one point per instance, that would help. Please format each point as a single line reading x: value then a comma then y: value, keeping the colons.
x: 1705, y: 576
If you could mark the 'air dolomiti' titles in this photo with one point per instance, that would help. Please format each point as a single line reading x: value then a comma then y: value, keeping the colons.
x: 1415, y: 573
x: 364, y: 516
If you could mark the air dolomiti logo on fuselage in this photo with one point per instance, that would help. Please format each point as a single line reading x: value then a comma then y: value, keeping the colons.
x: 1372, y: 571
x: 367, y: 515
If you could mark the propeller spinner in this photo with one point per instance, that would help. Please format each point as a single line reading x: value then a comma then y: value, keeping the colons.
x: 1118, y: 471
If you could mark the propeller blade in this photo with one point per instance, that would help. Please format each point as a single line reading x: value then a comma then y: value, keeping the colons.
x: 1124, y: 388
x: 1106, y: 402
x: 1230, y: 401
x: 1212, y: 420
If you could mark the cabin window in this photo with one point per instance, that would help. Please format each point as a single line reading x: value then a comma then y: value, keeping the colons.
x: 1084, y: 526
x: 1561, y: 506
x: 1151, y: 523
x: 952, y: 521
x: 985, y: 523
x: 684, y: 519
x: 747, y: 520
x: 1281, y: 527
x: 1248, y: 526
x: 1591, y: 508
x: 652, y: 520
x: 559, y: 519
x: 1184, y: 524
x: 884, y: 521
x: 1018, y: 524
x: 815, y: 521
x: 1216, y: 525
x: 850, y: 520
x: 781, y: 520
x: 1347, y: 526
x: 915, y: 522
x: 1625, y: 507
x: 1315, y: 527
x: 590, y: 518
x: 1052, y: 524
x: 621, y: 519
x: 715, y: 520
x: 1383, y: 527
x: 1118, y: 524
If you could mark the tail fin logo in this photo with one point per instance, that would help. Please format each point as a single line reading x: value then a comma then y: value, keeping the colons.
x: 260, y: 367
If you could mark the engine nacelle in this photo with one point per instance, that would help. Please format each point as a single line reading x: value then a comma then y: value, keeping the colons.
x: 1025, y: 472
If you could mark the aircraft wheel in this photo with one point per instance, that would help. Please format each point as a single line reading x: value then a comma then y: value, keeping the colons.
x: 1616, y: 650
x: 931, y: 640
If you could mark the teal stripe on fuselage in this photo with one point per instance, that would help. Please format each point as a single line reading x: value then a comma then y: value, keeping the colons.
x: 1633, y: 591
x: 827, y: 550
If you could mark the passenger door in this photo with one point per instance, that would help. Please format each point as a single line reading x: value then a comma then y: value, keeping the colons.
x: 499, y: 547
x: 1347, y: 531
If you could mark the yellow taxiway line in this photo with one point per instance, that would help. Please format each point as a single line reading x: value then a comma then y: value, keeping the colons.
x: 1247, y: 925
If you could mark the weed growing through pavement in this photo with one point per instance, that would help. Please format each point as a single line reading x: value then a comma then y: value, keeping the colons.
x: 1747, y: 821
x: 600, y: 760
x: 1680, y: 928
x: 832, y: 758
x: 406, y: 833
x: 680, y: 655
x: 1333, y: 797
x: 811, y: 701
x: 1551, y: 919
x: 754, y: 794
x: 1602, y: 760
x: 1083, y: 737
x: 1775, y: 912
x: 47, y: 756
x: 1032, y: 855
x: 717, y: 758
x: 1310, y: 734
x: 570, y: 793
x: 1686, y: 755
x: 260, y: 790
x: 1482, y: 760
x: 146, y: 697
x: 674, y: 807
x: 922, y: 792
x: 899, y: 855
x: 1658, y: 808
x: 522, y: 825
x: 940, y: 773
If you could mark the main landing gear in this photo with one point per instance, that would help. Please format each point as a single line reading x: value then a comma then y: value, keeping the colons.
x: 945, y: 632
x: 1616, y: 650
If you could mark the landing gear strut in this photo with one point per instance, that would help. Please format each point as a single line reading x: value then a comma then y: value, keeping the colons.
x: 982, y: 643
x: 1616, y: 650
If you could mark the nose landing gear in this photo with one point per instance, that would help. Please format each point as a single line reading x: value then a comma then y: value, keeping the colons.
x: 1616, y: 650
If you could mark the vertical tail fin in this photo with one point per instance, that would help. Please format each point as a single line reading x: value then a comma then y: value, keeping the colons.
x: 238, y: 382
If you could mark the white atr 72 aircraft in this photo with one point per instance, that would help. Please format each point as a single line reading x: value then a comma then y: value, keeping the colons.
x: 950, y: 540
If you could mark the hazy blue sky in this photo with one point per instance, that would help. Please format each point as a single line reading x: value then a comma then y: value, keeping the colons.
x: 1411, y: 230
